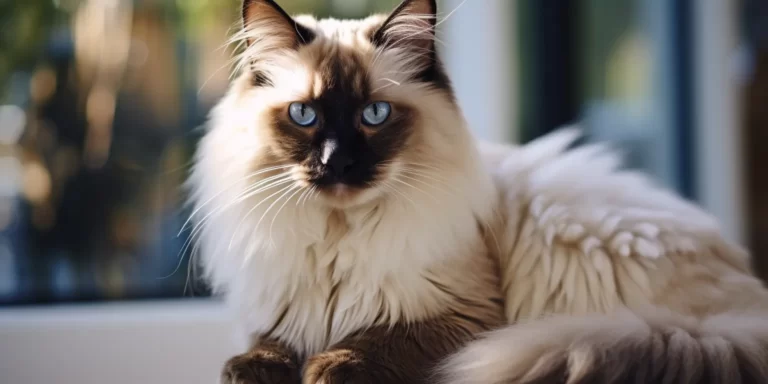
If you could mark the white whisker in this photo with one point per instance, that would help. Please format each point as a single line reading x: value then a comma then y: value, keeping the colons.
x: 397, y: 179
x: 287, y: 191
x: 303, y: 195
x: 432, y: 167
x: 197, y: 231
x: 396, y: 190
x: 199, y: 207
x: 237, y: 227
x: 251, y: 191
x: 448, y: 191
x: 418, y: 176
x: 389, y: 84
x: 274, y: 217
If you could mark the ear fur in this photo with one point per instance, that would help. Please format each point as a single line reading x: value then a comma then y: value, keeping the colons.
x: 411, y: 27
x: 264, y: 22
x: 267, y: 29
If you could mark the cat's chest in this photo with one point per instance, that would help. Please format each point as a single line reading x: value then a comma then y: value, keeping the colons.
x: 314, y: 289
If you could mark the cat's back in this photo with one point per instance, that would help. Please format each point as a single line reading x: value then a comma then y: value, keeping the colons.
x: 581, y: 235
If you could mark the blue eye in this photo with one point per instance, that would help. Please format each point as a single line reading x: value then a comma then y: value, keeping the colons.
x: 302, y: 114
x: 376, y: 113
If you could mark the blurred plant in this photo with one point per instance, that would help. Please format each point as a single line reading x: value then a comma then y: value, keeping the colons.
x: 24, y: 30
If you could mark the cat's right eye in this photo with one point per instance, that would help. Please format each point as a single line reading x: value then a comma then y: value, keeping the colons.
x: 302, y: 114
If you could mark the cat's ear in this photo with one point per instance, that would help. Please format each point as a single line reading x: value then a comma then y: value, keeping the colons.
x: 411, y: 27
x: 265, y: 23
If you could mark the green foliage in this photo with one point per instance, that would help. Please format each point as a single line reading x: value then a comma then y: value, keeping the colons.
x: 24, y: 29
x: 26, y: 26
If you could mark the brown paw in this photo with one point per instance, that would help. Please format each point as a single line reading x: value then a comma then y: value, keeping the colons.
x: 261, y: 367
x: 338, y: 367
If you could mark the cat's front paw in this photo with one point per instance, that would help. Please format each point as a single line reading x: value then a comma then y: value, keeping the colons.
x: 338, y: 367
x: 261, y: 367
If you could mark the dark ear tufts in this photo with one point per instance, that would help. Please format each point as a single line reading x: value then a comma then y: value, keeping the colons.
x: 411, y: 28
x: 260, y: 79
x: 272, y: 22
x: 420, y: 12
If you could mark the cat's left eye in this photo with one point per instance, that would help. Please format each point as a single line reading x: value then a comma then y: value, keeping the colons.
x: 376, y: 113
x: 302, y: 114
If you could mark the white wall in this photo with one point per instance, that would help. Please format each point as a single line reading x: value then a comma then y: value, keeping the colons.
x: 719, y: 159
x: 479, y: 45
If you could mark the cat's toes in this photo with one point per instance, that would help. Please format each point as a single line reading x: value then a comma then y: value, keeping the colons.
x: 337, y: 367
x: 261, y: 367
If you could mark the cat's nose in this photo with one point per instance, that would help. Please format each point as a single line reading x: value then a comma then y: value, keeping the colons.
x: 337, y: 162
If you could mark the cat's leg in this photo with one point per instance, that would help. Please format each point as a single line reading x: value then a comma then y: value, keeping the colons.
x: 403, y: 354
x: 267, y: 362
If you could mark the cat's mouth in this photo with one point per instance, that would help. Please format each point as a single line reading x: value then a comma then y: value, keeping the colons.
x: 338, y: 191
x: 340, y: 195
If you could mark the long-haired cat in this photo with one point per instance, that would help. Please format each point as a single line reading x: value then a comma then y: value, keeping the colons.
x: 364, y: 236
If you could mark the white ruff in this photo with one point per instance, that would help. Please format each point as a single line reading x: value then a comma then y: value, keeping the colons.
x: 293, y: 268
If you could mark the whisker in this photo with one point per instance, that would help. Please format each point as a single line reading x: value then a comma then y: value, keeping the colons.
x: 397, y: 179
x: 303, y: 195
x: 274, y: 217
x: 252, y: 191
x: 180, y: 256
x: 429, y: 175
x: 448, y: 191
x: 448, y: 16
x: 391, y: 83
x: 310, y: 195
x: 428, y: 166
x: 396, y: 190
x: 197, y: 230
x: 316, y: 193
x: 287, y: 191
x: 237, y: 227
x: 183, y: 227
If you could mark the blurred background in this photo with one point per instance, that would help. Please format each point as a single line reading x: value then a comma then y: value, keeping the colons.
x: 101, y: 103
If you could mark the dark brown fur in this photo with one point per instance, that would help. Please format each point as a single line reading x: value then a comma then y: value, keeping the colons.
x: 268, y: 362
x: 402, y: 354
x: 398, y: 355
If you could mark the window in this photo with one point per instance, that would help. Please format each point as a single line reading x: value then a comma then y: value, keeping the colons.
x: 101, y: 104
x: 622, y: 70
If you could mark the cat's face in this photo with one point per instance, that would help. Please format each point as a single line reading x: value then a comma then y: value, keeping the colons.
x: 350, y: 106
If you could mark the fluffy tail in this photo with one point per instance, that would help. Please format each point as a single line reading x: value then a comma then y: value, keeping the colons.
x: 625, y: 348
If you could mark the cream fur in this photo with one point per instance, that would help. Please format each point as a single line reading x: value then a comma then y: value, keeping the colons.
x: 612, y: 278
x: 578, y: 238
x: 657, y: 347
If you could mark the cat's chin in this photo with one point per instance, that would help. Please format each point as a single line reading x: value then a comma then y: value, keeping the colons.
x: 345, y: 196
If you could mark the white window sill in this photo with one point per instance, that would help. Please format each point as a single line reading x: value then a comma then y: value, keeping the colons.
x: 117, y: 343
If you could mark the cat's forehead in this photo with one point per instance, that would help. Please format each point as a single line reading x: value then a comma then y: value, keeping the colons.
x: 339, y: 72
x: 342, y: 62
x: 339, y: 57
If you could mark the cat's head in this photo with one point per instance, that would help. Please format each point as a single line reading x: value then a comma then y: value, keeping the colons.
x: 355, y: 109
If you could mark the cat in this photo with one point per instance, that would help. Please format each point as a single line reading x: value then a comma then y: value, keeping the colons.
x: 363, y: 235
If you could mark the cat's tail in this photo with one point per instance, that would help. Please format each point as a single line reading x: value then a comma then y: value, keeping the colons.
x: 728, y: 348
